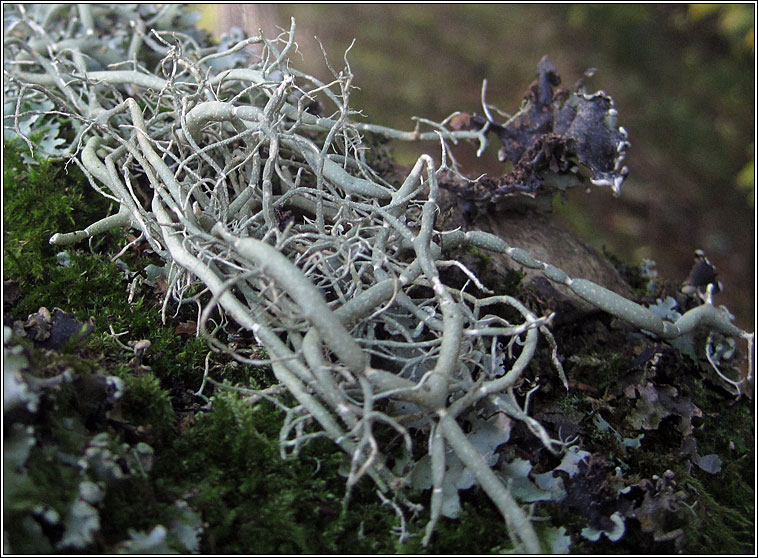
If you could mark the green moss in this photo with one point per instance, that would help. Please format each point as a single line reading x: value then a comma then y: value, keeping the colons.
x: 718, y: 528
x: 483, y: 259
x: 601, y: 368
x: 146, y: 404
x: 87, y: 287
x: 253, y: 501
x: 725, y: 518
x: 570, y: 404
x: 479, y: 528
x: 133, y: 505
x: 40, y: 200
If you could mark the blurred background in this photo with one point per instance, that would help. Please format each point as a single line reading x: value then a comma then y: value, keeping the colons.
x: 682, y: 76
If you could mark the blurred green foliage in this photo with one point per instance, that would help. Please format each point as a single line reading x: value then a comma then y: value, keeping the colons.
x: 735, y: 22
x: 697, y: 60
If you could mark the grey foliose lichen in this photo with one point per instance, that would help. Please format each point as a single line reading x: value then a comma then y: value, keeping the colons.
x: 85, y: 464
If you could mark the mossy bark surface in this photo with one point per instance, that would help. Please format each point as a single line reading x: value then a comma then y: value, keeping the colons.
x: 650, y: 417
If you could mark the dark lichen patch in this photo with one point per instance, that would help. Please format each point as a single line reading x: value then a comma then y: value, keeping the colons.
x: 651, y: 413
x: 563, y: 134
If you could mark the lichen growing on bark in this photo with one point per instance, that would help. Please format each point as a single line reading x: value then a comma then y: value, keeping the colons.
x: 279, y: 231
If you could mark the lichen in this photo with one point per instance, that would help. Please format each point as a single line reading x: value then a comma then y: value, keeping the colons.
x: 140, y: 464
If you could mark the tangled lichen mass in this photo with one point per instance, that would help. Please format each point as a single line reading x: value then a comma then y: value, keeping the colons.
x: 254, y: 184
